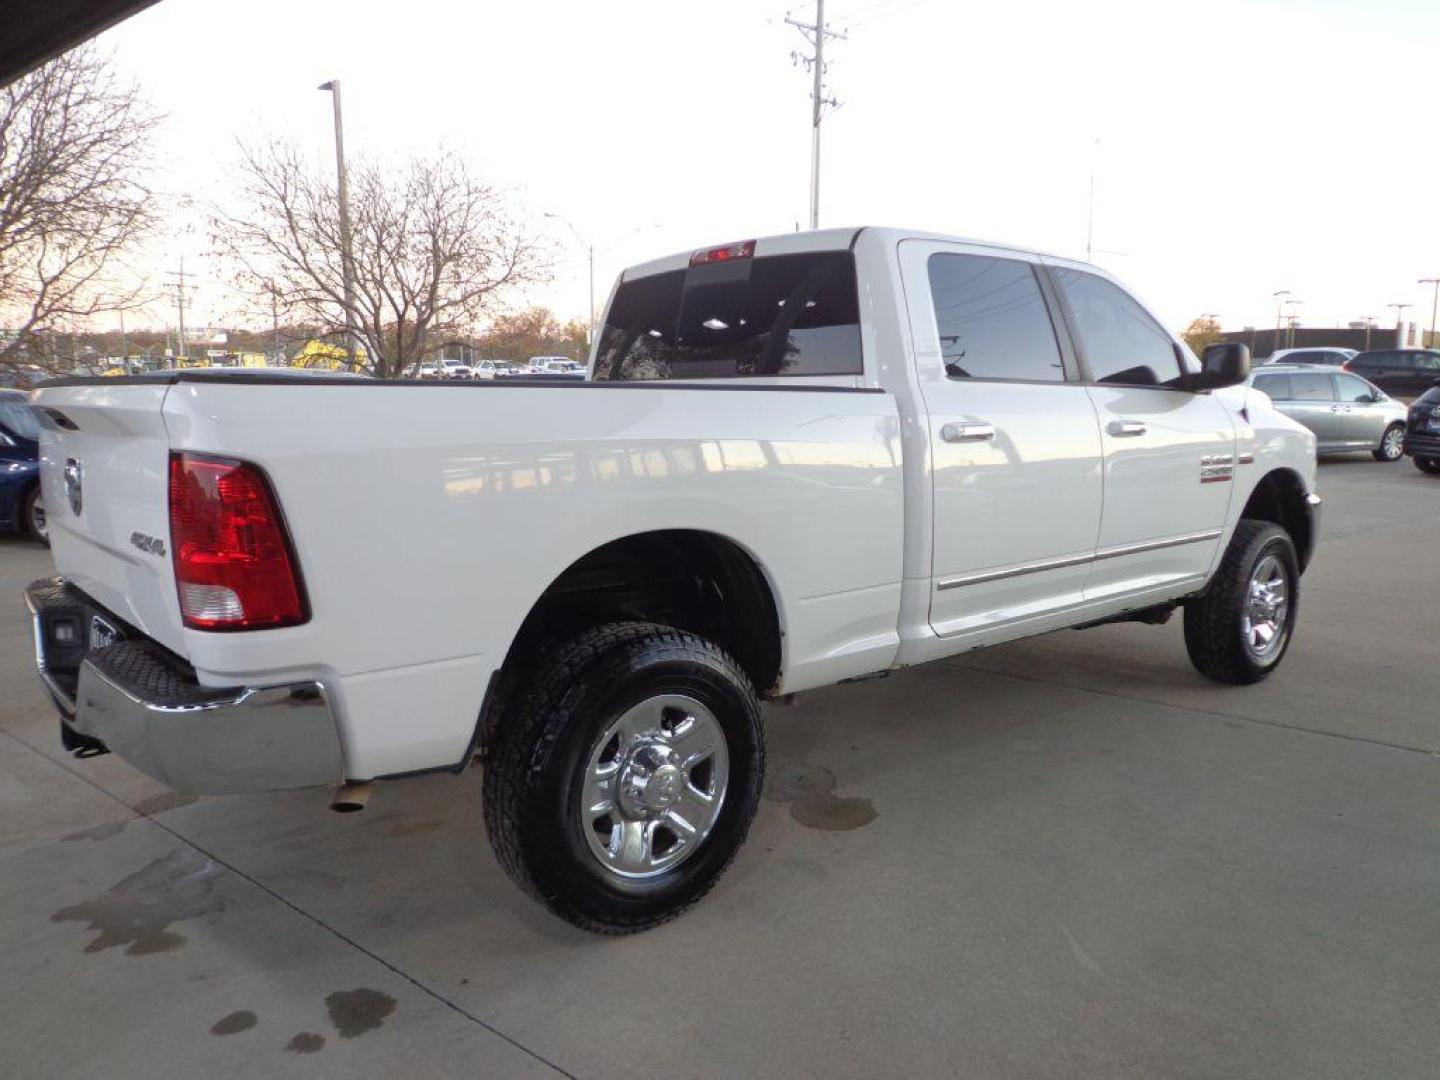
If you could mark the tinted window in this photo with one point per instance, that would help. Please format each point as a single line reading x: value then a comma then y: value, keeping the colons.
x: 1389, y: 358
x: 1353, y: 388
x: 1277, y: 386
x: 1428, y: 362
x: 1307, y: 387
x: 16, y: 418
x: 992, y: 319
x: 1122, y: 343
x: 775, y: 315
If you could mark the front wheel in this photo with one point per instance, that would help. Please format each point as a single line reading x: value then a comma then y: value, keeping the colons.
x: 35, y: 523
x: 1428, y: 465
x: 1237, y: 631
x: 1392, y: 444
x: 626, y: 776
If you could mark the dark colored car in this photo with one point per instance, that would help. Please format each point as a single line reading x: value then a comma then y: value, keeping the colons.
x: 1422, y: 432
x: 1399, y: 371
x: 20, y: 507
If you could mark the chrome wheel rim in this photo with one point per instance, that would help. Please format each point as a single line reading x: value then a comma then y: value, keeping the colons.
x: 37, y: 519
x: 1266, y: 615
x: 653, y: 787
x: 1393, y: 444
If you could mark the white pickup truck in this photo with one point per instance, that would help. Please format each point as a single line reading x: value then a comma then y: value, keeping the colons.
x: 797, y: 461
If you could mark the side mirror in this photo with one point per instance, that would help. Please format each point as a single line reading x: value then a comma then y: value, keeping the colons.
x: 1222, y: 364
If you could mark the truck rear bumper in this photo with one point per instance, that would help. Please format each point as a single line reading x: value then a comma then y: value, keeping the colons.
x: 116, y: 687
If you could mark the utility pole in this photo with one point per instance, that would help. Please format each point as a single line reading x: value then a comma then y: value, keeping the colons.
x: 1434, y: 304
x: 1090, y: 217
x: 816, y: 34
x: 275, y: 323
x: 179, y: 287
x: 347, y: 270
x: 1293, y: 319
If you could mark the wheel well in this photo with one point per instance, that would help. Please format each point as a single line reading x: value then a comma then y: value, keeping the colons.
x: 691, y: 580
x: 1281, y: 498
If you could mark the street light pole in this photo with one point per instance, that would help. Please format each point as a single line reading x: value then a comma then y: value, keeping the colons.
x: 1369, y: 321
x: 1279, y: 314
x: 590, y: 259
x: 343, y: 192
x: 1399, y: 323
x: 1434, y: 304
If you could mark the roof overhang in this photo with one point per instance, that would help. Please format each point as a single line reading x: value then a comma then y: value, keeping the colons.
x: 38, y: 30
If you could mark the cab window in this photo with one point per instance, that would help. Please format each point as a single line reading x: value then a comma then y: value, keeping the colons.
x: 1122, y: 343
x: 992, y: 319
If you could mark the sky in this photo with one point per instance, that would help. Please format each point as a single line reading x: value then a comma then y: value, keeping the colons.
x: 1238, y: 147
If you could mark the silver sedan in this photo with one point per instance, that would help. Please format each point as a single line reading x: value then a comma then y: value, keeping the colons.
x: 1344, y: 411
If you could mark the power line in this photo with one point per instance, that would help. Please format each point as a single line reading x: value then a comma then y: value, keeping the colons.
x: 815, y: 33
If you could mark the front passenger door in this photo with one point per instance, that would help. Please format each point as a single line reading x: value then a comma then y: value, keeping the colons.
x: 1169, y: 453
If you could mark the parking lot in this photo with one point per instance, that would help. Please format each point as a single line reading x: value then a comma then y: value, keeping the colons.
x: 1070, y: 856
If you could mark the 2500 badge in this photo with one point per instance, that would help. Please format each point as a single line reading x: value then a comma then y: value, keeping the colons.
x: 149, y: 544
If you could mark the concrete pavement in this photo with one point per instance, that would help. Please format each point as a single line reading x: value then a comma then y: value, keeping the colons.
x: 1067, y: 857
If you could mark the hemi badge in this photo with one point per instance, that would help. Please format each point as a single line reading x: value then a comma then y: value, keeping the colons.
x: 1217, y: 468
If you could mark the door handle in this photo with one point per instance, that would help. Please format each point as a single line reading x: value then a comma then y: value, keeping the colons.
x: 1125, y: 429
x: 967, y: 432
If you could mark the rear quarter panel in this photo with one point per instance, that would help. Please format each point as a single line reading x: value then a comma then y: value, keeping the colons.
x: 428, y: 518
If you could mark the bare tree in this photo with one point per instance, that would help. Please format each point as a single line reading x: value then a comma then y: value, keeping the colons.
x: 433, y: 248
x: 74, y: 139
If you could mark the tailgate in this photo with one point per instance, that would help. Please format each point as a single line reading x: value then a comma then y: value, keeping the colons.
x: 104, y: 469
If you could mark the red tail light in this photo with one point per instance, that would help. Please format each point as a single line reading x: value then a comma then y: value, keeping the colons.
x: 743, y: 250
x: 234, y: 569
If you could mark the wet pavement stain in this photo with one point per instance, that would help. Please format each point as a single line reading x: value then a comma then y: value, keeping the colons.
x: 236, y: 1022
x: 137, y: 911
x: 306, y: 1042
x: 99, y: 832
x: 410, y: 828
x: 833, y: 813
x: 157, y: 804
x: 793, y: 782
x: 354, y: 1012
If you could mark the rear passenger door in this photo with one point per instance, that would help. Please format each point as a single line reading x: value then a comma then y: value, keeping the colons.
x: 1015, y: 452
x: 1168, y: 453
x: 1314, y: 404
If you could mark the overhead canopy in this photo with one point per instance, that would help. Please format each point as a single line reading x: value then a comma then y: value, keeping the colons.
x: 33, y: 31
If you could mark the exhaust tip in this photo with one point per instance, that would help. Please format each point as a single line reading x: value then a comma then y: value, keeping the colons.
x: 351, y: 797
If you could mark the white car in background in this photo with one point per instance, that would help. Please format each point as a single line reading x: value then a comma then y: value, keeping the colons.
x: 555, y: 365
x: 495, y: 369
x: 1312, y: 355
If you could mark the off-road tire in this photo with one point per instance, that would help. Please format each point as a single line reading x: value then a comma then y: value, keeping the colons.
x: 575, y: 690
x: 1212, y: 620
x: 1379, y: 453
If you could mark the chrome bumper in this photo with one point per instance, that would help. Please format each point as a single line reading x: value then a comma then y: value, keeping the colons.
x: 146, y: 705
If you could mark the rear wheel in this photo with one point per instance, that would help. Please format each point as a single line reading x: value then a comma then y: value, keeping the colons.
x: 1428, y: 465
x: 1392, y: 444
x: 1238, y: 630
x: 34, y: 511
x: 626, y: 776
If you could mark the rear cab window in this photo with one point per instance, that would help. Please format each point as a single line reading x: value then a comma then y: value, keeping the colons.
x: 765, y: 316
